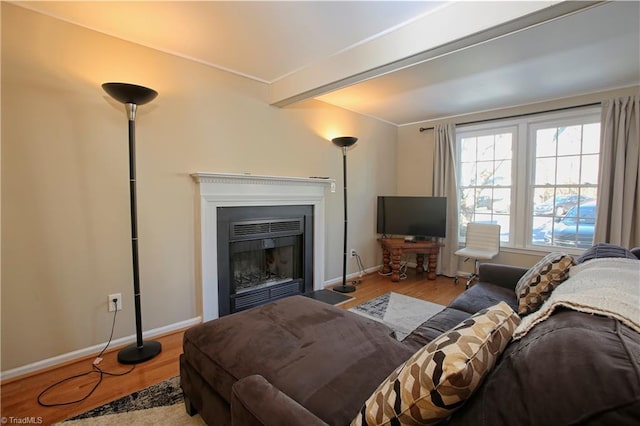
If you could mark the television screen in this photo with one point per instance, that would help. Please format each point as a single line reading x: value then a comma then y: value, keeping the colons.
x: 412, y: 216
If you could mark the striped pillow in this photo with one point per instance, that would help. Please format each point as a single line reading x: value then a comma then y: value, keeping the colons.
x: 601, y: 250
x: 441, y: 376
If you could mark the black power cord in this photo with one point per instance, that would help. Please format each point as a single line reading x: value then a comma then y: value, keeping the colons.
x: 94, y: 370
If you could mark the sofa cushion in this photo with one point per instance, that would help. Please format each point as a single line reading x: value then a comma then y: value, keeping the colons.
x: 574, y: 368
x: 438, y: 378
x: 602, y: 250
x: 506, y: 276
x: 443, y: 321
x: 483, y: 295
x: 537, y: 284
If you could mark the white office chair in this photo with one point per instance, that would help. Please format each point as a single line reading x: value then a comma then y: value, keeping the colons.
x: 483, y: 243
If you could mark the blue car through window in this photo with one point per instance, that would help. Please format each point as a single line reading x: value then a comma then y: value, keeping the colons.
x: 575, y: 229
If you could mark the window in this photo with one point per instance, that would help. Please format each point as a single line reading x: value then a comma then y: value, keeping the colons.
x: 535, y: 176
x: 564, y: 183
x: 485, y: 178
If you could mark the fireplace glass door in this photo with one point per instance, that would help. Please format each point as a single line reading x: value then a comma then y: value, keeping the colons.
x: 266, y: 262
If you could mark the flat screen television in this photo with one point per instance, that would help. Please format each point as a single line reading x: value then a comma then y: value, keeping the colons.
x: 420, y: 217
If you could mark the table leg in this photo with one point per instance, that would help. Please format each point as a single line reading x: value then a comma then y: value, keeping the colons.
x: 396, y: 255
x: 386, y: 261
x: 433, y: 263
x: 419, y: 263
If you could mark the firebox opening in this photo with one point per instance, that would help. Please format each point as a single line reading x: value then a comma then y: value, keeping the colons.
x: 262, y: 263
x: 264, y: 253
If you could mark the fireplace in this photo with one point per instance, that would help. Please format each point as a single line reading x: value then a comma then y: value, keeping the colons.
x: 216, y: 190
x: 264, y: 254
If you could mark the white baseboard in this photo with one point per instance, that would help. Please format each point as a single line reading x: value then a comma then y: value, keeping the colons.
x: 351, y: 277
x: 81, y: 353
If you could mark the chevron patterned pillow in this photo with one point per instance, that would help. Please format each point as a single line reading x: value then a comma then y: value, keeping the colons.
x: 442, y: 375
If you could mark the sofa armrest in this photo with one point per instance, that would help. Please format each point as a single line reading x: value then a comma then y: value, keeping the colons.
x: 255, y: 401
x: 506, y: 276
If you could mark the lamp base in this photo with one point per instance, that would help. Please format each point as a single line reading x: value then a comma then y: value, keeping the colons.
x: 133, y: 354
x: 344, y: 288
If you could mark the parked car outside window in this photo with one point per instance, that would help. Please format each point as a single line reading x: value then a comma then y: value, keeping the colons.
x: 560, y: 205
x: 575, y: 229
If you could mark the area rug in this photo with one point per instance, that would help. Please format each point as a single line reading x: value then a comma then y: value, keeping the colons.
x: 160, y: 404
x: 401, y: 313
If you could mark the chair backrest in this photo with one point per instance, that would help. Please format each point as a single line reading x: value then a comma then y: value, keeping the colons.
x: 483, y: 236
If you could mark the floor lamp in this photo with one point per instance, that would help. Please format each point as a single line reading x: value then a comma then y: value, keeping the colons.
x: 344, y: 142
x: 131, y: 96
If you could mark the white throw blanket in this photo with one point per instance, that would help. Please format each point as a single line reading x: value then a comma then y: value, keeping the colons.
x: 609, y: 287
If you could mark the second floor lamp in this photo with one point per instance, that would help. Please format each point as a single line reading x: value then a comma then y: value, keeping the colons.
x: 344, y: 142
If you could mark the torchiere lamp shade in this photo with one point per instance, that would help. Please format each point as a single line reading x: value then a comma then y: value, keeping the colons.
x: 130, y: 93
x: 344, y: 141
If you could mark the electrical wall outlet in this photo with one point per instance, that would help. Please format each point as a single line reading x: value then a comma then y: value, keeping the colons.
x: 353, y: 252
x: 118, y: 306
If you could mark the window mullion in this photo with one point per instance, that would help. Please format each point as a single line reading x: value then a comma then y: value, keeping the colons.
x: 521, y: 177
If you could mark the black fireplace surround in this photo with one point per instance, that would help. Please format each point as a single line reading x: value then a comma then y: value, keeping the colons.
x: 264, y: 253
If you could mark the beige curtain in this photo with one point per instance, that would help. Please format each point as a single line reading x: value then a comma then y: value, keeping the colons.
x: 619, y: 181
x: 445, y: 184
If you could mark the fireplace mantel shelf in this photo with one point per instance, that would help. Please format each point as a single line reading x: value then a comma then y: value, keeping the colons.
x: 249, y: 178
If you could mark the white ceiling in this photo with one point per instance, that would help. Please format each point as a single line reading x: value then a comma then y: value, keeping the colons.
x: 401, y: 62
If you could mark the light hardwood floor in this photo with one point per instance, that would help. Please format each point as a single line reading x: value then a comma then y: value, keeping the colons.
x: 19, y: 396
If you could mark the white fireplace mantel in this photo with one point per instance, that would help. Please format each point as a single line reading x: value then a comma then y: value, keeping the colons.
x: 239, y: 190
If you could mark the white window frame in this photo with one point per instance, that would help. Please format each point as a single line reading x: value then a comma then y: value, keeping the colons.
x: 492, y: 129
x: 523, y: 166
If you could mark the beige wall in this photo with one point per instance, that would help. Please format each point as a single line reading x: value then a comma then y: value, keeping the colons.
x: 414, y: 162
x: 65, y: 209
x: 416, y: 149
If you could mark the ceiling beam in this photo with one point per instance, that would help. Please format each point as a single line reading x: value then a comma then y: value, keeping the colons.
x: 448, y: 29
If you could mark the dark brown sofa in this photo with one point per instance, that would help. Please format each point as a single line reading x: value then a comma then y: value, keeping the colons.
x: 297, y: 361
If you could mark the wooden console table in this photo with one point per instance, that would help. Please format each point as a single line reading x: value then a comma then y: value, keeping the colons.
x: 392, y: 249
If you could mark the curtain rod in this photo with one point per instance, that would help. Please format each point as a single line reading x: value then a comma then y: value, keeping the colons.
x: 423, y: 129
